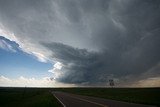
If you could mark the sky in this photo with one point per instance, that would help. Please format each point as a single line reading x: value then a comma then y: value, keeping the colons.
x: 74, y: 43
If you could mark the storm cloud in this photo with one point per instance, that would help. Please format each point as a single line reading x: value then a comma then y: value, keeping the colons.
x: 94, y: 40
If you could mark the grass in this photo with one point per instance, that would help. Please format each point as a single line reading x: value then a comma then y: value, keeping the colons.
x: 27, y: 97
x: 149, y: 96
x: 42, y: 97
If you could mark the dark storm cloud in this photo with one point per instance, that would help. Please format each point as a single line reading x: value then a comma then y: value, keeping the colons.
x: 127, y: 37
x: 94, y: 39
x: 79, y: 65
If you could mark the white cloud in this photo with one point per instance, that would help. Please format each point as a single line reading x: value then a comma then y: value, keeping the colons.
x: 56, y: 70
x: 41, y: 57
x: 4, y: 45
x: 31, y: 82
x: 7, y: 34
x: 24, y: 44
x: 58, y: 65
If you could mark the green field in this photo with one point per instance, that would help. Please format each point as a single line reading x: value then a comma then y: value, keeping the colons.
x: 27, y: 97
x: 135, y: 95
x: 42, y: 97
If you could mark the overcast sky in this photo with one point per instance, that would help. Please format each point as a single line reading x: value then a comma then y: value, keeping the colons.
x: 81, y: 42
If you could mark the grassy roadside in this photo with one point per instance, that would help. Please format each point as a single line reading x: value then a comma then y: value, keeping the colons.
x: 135, y: 95
x: 29, y: 97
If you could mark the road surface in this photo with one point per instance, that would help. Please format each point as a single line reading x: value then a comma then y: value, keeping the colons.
x: 73, y: 100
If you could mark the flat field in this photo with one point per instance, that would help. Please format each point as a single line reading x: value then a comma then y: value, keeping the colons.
x: 27, y: 97
x: 42, y: 97
x: 149, y: 96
